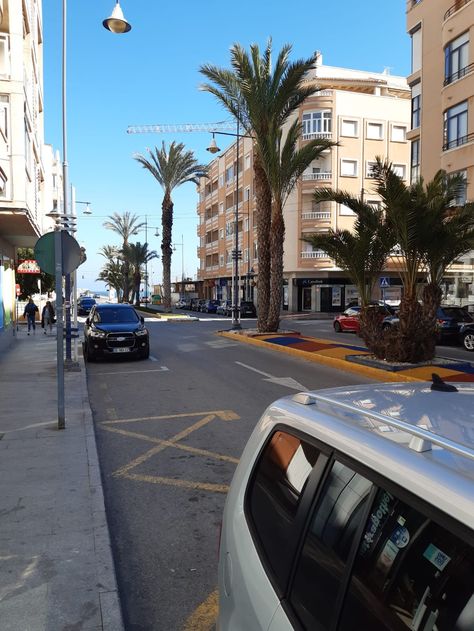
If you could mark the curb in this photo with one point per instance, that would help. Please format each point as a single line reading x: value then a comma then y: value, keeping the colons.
x: 111, y: 611
x: 332, y: 362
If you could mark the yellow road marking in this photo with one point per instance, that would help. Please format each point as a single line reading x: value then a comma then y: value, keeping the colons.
x: 204, y: 616
x: 168, y: 443
x: 174, y: 439
x: 224, y: 415
x: 185, y: 484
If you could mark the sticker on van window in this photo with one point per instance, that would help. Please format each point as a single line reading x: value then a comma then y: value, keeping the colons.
x: 435, y: 556
x: 380, y: 512
x: 400, y: 537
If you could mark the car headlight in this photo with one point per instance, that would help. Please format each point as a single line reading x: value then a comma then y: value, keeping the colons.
x: 141, y: 332
x: 97, y: 333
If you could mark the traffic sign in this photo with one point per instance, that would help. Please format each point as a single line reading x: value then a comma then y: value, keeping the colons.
x: 384, y: 281
x: 71, y: 251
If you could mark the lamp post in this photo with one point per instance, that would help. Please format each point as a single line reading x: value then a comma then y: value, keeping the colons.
x: 157, y: 234
x: 181, y: 293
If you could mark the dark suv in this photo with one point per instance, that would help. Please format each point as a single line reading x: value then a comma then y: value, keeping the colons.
x: 115, y: 329
x: 247, y: 309
x: 85, y: 305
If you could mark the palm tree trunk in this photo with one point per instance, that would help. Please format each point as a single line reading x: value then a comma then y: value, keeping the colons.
x: 276, y: 281
x: 431, y: 301
x: 371, y: 331
x: 408, y: 347
x: 264, y: 221
x: 167, y: 225
x: 137, y: 280
x: 126, y: 276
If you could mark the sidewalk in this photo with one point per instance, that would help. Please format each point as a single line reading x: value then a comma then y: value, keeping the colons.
x: 56, y: 567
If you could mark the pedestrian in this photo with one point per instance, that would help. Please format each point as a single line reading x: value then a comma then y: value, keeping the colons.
x: 30, y: 314
x: 48, y: 317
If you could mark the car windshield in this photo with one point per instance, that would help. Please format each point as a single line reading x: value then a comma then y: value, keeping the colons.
x: 457, y: 313
x: 110, y: 316
x: 89, y: 301
x: 246, y: 304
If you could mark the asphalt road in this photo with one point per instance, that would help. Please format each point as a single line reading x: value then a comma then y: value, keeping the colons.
x: 170, y: 431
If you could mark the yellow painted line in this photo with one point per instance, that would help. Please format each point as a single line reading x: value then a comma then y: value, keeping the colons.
x: 184, y: 484
x: 424, y: 372
x: 224, y: 415
x: 204, y: 617
x: 167, y: 443
x: 151, y: 452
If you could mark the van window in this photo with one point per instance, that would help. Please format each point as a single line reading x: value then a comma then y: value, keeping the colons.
x: 409, y: 573
x: 326, y: 548
x: 274, y: 495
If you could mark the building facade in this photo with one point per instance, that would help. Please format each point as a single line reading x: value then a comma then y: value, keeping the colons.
x: 442, y: 111
x: 368, y: 115
x: 29, y: 170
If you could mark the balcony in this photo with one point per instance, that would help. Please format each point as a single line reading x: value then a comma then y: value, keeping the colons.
x: 322, y: 175
x: 315, y: 254
x: 325, y: 135
x: 458, y: 142
x: 454, y: 8
x: 316, y: 215
x: 459, y: 74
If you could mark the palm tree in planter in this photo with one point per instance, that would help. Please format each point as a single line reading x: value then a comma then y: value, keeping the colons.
x: 361, y: 253
x: 262, y: 96
x: 124, y: 225
x: 171, y: 168
x: 137, y: 255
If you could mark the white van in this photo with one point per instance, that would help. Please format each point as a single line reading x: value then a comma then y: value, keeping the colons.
x: 352, y: 509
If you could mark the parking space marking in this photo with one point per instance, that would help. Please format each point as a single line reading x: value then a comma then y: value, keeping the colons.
x: 184, y: 484
x: 153, y: 359
x: 205, y: 615
x: 221, y: 343
x: 130, y: 372
x: 224, y: 415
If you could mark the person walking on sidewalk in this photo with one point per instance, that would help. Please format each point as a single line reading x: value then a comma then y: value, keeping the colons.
x: 30, y: 314
x: 47, y: 317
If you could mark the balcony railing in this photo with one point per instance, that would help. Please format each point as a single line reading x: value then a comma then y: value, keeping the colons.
x: 316, y: 215
x: 456, y: 6
x: 459, y: 74
x: 315, y: 254
x: 457, y: 142
x: 327, y: 135
x: 322, y: 175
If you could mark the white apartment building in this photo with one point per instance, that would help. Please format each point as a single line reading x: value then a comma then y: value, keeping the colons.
x: 368, y: 115
x: 29, y: 170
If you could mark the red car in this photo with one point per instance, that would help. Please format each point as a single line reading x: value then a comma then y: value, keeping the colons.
x: 349, y: 319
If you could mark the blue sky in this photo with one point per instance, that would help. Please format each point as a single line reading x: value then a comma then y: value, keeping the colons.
x: 150, y: 75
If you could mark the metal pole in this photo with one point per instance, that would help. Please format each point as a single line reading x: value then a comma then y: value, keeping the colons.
x: 146, y: 264
x: 182, y: 266
x: 58, y: 256
x: 74, y: 276
x: 236, y: 301
x: 248, y: 252
x: 67, y: 288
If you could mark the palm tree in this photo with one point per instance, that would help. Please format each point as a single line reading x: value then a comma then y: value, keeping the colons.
x: 137, y: 255
x: 171, y: 168
x: 124, y: 225
x: 362, y: 253
x: 112, y: 274
x: 262, y: 97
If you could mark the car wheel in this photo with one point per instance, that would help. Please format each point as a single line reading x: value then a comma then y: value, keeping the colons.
x: 145, y: 354
x: 468, y: 341
x: 386, y: 327
x: 337, y: 327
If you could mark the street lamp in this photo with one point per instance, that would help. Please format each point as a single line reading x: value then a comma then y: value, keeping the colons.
x: 157, y: 234
x: 181, y: 293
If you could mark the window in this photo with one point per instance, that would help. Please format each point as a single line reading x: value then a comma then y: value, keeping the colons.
x: 455, y: 126
x: 229, y: 228
x: 247, y: 161
x: 345, y: 210
x: 349, y: 128
x: 317, y: 123
x: 416, y: 106
x: 221, y: 233
x: 221, y: 208
x: 399, y: 133
x: 4, y: 55
x: 349, y: 168
x: 246, y: 194
x: 409, y: 573
x: 462, y: 194
x: 369, y: 168
x: 416, y: 50
x: 375, y: 131
x: 275, y: 492
x: 229, y: 175
x: 456, y: 58
x: 221, y: 180
x: 327, y: 546
x: 400, y: 170
x: 415, y: 161
x: 4, y: 108
x: 221, y: 260
x: 375, y: 203
x: 246, y: 255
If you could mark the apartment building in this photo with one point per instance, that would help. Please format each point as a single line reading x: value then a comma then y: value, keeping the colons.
x: 442, y: 112
x: 368, y: 115
x: 29, y: 169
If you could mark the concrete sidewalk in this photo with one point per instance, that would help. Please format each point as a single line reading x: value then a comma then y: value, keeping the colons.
x: 56, y: 567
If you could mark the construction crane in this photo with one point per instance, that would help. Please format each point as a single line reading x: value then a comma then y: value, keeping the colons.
x: 218, y: 127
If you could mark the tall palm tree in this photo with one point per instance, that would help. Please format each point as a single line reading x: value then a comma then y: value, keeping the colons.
x: 112, y: 274
x: 262, y: 96
x: 124, y: 225
x: 171, y: 168
x: 137, y: 255
x: 362, y: 253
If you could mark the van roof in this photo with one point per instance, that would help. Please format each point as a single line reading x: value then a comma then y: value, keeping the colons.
x: 420, y: 438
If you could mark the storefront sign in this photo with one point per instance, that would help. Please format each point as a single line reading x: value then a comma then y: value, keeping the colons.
x: 336, y: 296
x: 29, y: 266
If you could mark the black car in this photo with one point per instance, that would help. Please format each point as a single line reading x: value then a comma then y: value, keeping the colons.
x: 210, y: 306
x: 466, y: 336
x: 85, y: 305
x: 247, y: 309
x: 115, y: 329
x: 452, y: 324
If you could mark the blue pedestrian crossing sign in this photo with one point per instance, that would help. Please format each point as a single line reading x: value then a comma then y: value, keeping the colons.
x: 384, y: 281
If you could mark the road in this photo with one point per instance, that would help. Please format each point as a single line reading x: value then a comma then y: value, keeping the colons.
x: 170, y: 431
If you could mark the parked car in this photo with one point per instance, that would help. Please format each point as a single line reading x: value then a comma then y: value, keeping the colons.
x: 247, y: 309
x: 210, y: 306
x: 113, y: 329
x: 452, y: 324
x: 200, y: 304
x: 349, y: 319
x: 466, y: 336
x: 85, y: 305
x: 180, y: 304
x: 353, y: 509
x: 224, y: 308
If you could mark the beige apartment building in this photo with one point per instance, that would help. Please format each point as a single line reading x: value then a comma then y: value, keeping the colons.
x: 442, y: 118
x: 368, y: 115
x: 30, y: 172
